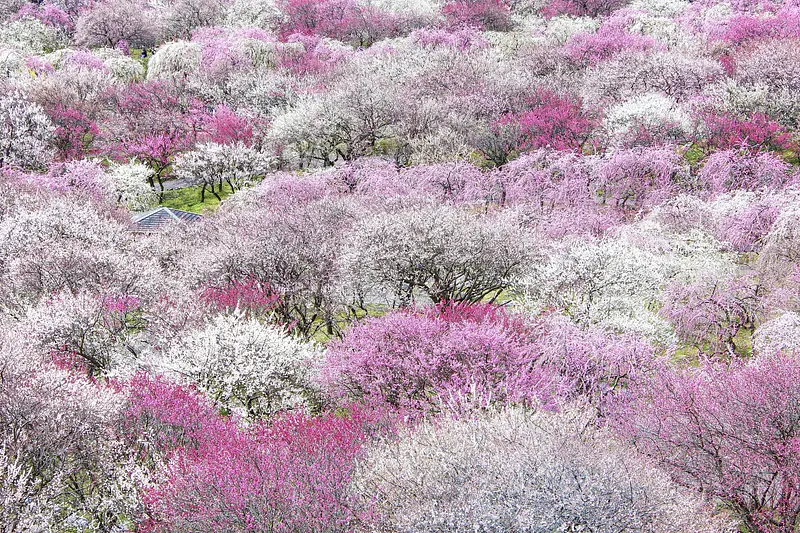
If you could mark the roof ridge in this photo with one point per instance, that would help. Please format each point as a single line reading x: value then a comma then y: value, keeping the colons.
x: 172, y: 213
x: 155, y: 218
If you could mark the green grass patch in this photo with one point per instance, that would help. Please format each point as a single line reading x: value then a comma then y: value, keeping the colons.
x: 694, y: 155
x: 136, y: 53
x: 188, y: 199
x: 744, y: 342
x: 689, y: 354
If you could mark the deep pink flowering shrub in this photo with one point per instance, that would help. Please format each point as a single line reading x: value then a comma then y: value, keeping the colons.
x: 759, y: 132
x: 224, y: 126
x: 250, y: 296
x: 47, y: 13
x: 154, y: 122
x: 450, y: 355
x: 317, y: 57
x: 163, y: 417
x: 743, y: 28
x: 344, y: 20
x: 291, y: 474
x: 551, y: 121
x: 74, y: 133
x: 732, y: 432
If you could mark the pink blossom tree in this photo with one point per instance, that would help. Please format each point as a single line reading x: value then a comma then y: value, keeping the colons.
x: 579, y: 8
x: 154, y: 123
x: 730, y: 432
x: 489, y: 15
x: 612, y: 38
x: 596, y: 364
x: 74, y: 132
x: 345, y: 20
x: 451, y: 356
x: 710, y: 314
x: 639, y: 177
x: 730, y: 170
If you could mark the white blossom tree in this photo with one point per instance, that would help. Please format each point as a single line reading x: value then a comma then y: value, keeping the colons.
x: 246, y: 365
x: 30, y: 36
x: 781, y: 334
x: 653, y: 113
x: 516, y: 471
x: 129, y: 185
x: 439, y: 253
x: 111, y: 21
x: 97, y: 335
x: 25, y: 131
x: 172, y: 60
x: 61, y: 464
x: 212, y: 165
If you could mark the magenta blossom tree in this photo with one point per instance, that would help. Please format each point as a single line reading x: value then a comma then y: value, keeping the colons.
x: 74, y: 132
x: 155, y: 122
x: 758, y: 132
x: 289, y: 475
x: 552, y: 121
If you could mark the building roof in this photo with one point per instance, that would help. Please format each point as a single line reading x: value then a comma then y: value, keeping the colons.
x: 157, y: 219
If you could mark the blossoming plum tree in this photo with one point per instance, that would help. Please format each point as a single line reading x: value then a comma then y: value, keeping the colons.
x: 293, y: 473
x: 448, y: 357
x: 25, y: 133
x: 444, y: 254
x: 246, y: 366
x: 518, y: 471
x: 730, y: 432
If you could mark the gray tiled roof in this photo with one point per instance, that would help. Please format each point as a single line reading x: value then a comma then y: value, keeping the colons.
x: 156, y: 219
